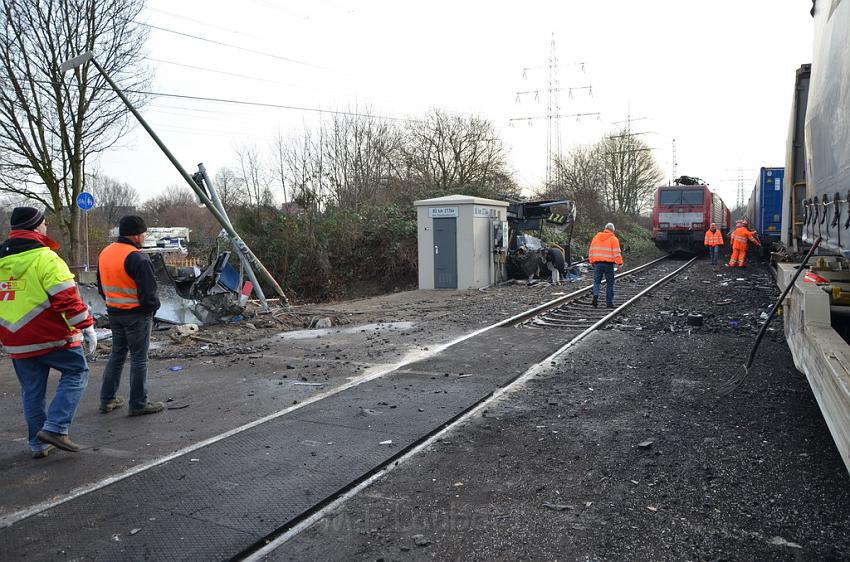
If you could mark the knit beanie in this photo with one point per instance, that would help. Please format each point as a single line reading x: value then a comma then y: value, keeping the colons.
x: 131, y: 225
x: 26, y: 218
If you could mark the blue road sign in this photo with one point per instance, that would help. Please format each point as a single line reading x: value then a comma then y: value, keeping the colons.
x: 85, y: 201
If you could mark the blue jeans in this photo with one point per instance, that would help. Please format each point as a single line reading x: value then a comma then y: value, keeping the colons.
x: 606, y: 269
x: 32, y: 374
x: 130, y: 332
x: 713, y: 252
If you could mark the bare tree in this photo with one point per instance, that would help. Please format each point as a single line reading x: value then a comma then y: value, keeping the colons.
x: 230, y: 188
x: 50, y: 124
x: 631, y: 172
x: 113, y: 198
x: 447, y: 152
x: 254, y: 177
x: 582, y: 178
x: 358, y: 157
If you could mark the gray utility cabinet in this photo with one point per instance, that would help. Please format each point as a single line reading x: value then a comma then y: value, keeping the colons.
x: 455, y: 235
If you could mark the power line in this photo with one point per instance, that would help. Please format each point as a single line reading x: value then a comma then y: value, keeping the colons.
x: 269, y: 105
x: 223, y: 72
x: 229, y: 45
x: 251, y: 103
x: 212, y: 25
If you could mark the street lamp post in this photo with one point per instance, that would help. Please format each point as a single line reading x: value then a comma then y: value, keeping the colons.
x: 243, y: 248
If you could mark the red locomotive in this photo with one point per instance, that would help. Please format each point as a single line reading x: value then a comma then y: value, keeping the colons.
x: 683, y: 212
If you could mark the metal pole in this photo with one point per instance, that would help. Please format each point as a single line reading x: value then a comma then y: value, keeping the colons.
x: 86, y: 219
x: 244, y: 260
x: 237, y: 240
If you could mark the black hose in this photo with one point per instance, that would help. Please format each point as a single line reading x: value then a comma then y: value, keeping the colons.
x: 736, y: 381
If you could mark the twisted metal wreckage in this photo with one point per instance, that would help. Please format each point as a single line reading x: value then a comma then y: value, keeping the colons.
x: 191, y: 295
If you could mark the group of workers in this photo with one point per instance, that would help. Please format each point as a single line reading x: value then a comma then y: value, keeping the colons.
x: 604, y: 253
x: 44, y: 325
x: 740, y: 237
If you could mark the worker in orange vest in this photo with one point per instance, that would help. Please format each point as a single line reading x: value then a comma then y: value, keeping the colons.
x: 713, y: 241
x: 740, y: 236
x: 127, y: 282
x: 603, y: 254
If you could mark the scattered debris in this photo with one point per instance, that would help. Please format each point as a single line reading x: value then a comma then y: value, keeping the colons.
x: 175, y: 368
x: 182, y: 331
x: 420, y: 540
x: 652, y: 508
x: 321, y: 323
x: 387, y: 442
x: 779, y: 541
x: 558, y: 506
x: 134, y: 531
x: 309, y: 383
x: 645, y: 444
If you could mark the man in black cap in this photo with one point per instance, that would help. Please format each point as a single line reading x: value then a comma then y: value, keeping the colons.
x: 126, y: 281
x: 42, y: 324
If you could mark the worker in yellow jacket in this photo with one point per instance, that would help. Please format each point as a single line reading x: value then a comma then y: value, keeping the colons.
x: 42, y: 324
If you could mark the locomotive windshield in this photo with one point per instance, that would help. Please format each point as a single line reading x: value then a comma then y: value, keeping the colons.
x: 680, y: 197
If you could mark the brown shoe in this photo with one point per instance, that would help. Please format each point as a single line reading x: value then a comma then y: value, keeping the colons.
x: 149, y: 408
x: 115, y: 403
x: 58, y: 440
x: 44, y: 452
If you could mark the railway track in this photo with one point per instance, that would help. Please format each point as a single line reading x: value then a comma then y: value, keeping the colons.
x: 273, y: 477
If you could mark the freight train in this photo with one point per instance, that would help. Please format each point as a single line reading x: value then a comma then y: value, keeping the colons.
x: 816, y: 206
x: 764, y: 207
x: 683, y: 212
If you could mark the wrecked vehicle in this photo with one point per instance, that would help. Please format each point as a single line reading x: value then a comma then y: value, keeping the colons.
x: 527, y: 253
x: 188, y: 294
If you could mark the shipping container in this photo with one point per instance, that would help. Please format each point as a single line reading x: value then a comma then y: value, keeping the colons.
x: 764, y: 210
x: 794, y: 192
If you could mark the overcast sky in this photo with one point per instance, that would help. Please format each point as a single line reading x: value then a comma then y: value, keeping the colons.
x: 717, y: 76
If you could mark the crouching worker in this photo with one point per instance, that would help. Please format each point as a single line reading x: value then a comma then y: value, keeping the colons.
x: 42, y: 323
x: 555, y: 262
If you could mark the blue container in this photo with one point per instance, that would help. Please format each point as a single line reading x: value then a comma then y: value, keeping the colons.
x: 765, y: 205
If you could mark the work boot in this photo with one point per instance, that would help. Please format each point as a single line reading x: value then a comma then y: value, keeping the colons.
x: 149, y: 408
x: 44, y: 452
x: 609, y: 306
x: 115, y: 403
x: 595, y: 301
x: 58, y: 440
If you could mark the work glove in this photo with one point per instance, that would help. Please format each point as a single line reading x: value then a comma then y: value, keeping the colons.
x: 89, y: 340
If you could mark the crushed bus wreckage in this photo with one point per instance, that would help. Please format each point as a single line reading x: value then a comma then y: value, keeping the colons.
x: 189, y: 294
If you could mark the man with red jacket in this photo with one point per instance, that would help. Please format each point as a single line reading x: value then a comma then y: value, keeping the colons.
x: 127, y: 283
x: 42, y: 322
x: 603, y: 254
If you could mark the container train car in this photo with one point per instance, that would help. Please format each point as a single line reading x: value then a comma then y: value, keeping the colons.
x: 683, y: 212
x: 817, y: 315
x: 764, y: 208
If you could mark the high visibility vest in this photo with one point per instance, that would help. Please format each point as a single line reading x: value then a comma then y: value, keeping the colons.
x: 605, y: 248
x: 739, y: 237
x: 119, y: 289
x: 713, y: 238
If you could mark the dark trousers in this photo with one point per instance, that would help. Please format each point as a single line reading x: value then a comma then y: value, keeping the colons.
x: 605, y: 269
x: 713, y: 252
x: 130, y: 332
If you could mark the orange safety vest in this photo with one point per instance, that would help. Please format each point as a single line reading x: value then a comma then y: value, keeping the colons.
x: 740, y: 236
x: 605, y: 248
x: 713, y: 238
x: 119, y: 288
